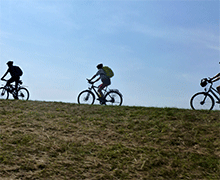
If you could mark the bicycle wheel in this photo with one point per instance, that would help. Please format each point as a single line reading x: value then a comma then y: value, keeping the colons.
x: 3, y: 93
x: 202, y: 101
x: 23, y: 94
x: 86, y: 97
x: 113, y: 98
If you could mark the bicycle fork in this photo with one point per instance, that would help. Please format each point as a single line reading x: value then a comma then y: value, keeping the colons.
x: 87, y: 96
x: 203, y: 102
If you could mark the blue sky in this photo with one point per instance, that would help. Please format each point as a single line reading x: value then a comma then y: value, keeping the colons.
x: 159, y: 50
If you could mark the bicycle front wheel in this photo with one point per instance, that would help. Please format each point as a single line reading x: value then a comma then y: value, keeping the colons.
x: 113, y: 98
x: 86, y: 97
x: 23, y: 94
x: 3, y: 93
x: 202, y: 101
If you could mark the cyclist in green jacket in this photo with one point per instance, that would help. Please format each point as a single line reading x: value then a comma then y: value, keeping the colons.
x: 104, y: 78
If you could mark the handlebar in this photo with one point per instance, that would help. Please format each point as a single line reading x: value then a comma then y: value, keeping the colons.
x: 205, y: 81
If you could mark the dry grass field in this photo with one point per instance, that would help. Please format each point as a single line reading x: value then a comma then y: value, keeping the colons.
x: 54, y: 140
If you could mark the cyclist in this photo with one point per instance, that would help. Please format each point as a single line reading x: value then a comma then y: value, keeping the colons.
x: 214, y: 79
x: 15, y: 73
x: 104, y: 78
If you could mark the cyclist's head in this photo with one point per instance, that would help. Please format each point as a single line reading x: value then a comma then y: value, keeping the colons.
x: 99, y: 66
x: 10, y: 63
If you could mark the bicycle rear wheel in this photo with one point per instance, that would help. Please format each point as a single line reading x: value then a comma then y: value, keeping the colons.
x: 113, y: 98
x: 23, y: 94
x: 86, y: 97
x: 3, y: 93
x: 202, y: 101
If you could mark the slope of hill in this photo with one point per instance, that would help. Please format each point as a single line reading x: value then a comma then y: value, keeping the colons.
x: 54, y: 140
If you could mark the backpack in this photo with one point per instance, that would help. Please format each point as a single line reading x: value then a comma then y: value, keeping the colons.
x: 18, y: 71
x: 108, y: 71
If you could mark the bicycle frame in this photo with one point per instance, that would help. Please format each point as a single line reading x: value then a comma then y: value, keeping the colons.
x: 12, y: 86
x: 92, y: 87
x: 212, y: 91
x: 21, y: 92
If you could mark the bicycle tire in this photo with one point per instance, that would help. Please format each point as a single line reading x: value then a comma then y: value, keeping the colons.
x: 23, y: 94
x: 202, y: 101
x: 86, y: 97
x: 3, y: 93
x: 113, y: 98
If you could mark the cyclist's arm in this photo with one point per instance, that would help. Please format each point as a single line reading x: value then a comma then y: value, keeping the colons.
x: 218, y: 75
x: 98, y: 73
x: 97, y: 80
x: 4, y: 75
x: 216, y: 79
x: 92, y: 78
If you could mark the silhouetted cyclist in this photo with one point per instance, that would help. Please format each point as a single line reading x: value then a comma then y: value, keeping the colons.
x: 15, y: 73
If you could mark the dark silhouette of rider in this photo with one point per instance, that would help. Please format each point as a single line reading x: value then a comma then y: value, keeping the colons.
x: 15, y: 76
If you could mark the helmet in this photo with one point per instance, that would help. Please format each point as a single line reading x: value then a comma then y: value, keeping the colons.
x: 10, y: 63
x: 204, y: 82
x: 99, y: 66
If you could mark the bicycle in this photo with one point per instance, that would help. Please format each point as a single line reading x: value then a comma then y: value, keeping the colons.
x: 5, y: 91
x: 111, y: 96
x: 205, y: 100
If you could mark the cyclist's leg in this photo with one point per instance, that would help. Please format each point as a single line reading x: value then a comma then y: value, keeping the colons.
x: 105, y: 83
x: 11, y: 80
x: 101, y: 87
x: 16, y: 86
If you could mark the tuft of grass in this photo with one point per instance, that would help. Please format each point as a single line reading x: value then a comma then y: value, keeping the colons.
x: 55, y: 140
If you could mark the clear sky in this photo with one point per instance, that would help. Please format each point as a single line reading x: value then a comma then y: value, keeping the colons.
x: 159, y: 50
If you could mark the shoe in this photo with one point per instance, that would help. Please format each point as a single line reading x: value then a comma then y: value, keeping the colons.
x: 102, y: 100
x: 15, y: 97
x: 99, y: 99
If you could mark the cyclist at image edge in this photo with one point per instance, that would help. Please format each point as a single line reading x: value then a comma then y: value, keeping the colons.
x: 104, y: 78
x: 15, y: 75
x: 214, y: 79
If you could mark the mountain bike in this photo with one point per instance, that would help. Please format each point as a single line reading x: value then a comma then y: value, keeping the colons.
x: 205, y: 100
x: 111, y: 96
x: 5, y: 91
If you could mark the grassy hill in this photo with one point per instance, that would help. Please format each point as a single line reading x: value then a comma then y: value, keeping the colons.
x: 52, y: 140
